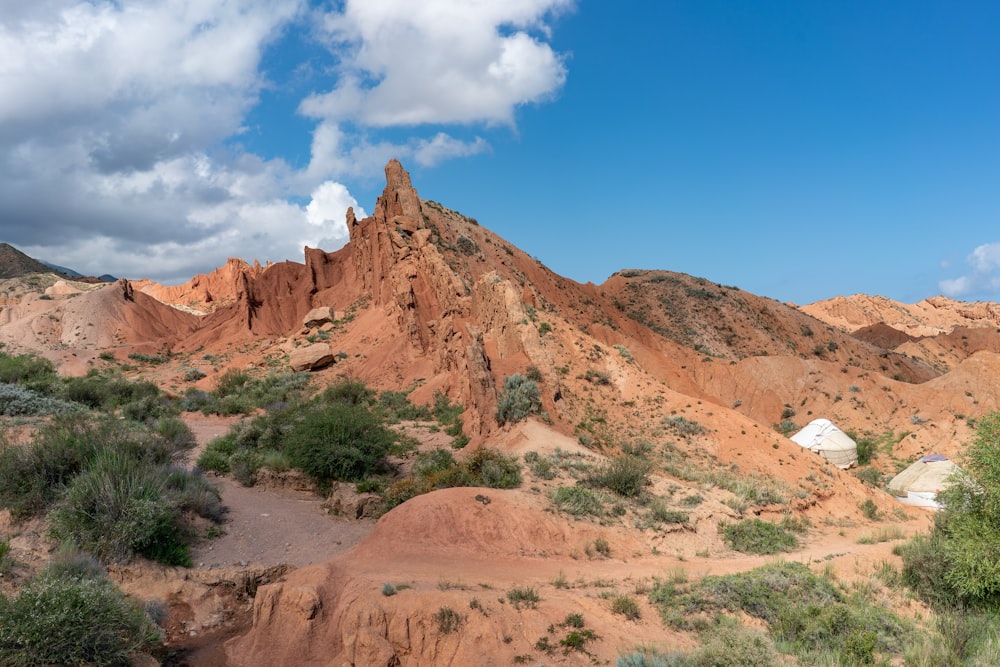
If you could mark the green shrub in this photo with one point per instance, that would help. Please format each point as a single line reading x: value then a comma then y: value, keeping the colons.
x: 870, y: 510
x: 433, y: 462
x: 491, y: 468
x: 966, y: 535
x: 925, y: 569
x: 527, y: 597
x: 627, y: 606
x: 659, y: 513
x: 805, y: 613
x: 193, y: 374
x: 628, y: 476
x: 638, y: 659
x: 870, y: 476
x: 6, y: 562
x: 152, y: 359
x: 396, y: 406
x: 349, y: 392
x: 735, y: 647
x: 519, y: 399
x: 577, y: 640
x: 117, y: 509
x: 72, y: 620
x: 33, y: 476
x: 444, y: 410
x: 121, y: 507
x: 174, y: 434
x: 755, y: 536
x: 448, y: 620
x: 438, y: 469
x: 29, y: 370
x: 345, y: 442
x: 540, y: 466
x: 237, y: 392
x: 243, y: 464
x: 578, y: 501
x: 214, y: 459
x: 684, y: 427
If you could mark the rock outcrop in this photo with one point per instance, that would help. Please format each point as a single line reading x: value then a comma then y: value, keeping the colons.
x: 319, y: 316
x: 311, y: 357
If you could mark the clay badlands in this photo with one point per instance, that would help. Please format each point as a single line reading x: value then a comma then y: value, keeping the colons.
x: 704, y: 381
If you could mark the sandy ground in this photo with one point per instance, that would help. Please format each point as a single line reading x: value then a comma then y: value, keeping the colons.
x: 269, y: 526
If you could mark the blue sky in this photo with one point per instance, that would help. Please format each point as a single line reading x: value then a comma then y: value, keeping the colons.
x: 797, y: 150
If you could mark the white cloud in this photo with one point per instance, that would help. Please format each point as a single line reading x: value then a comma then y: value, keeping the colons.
x: 986, y: 258
x: 443, y: 147
x: 438, y: 61
x: 115, y: 118
x: 984, y: 278
x: 336, y: 154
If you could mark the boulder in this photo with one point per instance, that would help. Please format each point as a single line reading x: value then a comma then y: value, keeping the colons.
x: 311, y: 357
x: 319, y: 316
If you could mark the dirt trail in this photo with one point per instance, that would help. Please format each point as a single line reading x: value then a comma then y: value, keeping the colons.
x: 269, y: 526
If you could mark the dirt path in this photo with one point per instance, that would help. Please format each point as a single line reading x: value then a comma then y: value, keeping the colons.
x: 269, y: 526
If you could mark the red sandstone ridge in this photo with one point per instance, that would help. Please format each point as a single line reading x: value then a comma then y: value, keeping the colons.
x: 204, y: 293
x: 929, y: 317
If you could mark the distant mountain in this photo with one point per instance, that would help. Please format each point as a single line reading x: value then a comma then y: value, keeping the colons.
x: 14, y: 263
x: 76, y: 275
x: 62, y: 269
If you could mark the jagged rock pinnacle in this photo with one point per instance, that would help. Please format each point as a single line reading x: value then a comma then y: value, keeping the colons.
x: 399, y: 196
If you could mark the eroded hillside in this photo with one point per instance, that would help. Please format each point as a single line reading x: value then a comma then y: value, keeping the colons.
x: 700, y: 380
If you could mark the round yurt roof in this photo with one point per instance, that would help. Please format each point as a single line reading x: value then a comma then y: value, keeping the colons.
x: 824, y: 438
x: 920, y: 483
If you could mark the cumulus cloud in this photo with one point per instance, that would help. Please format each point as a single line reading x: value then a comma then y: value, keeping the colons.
x: 120, y: 122
x: 984, y: 277
x: 438, y: 61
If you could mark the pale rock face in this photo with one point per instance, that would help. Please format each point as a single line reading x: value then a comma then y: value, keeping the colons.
x: 319, y: 316
x: 311, y: 357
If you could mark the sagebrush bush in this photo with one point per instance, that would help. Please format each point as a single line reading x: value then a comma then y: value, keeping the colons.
x: 109, y: 391
x: 433, y: 462
x: 72, y: 620
x: 175, y: 435
x: 17, y: 401
x: 519, y: 399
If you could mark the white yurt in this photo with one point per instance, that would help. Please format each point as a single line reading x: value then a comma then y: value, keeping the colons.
x: 822, y: 437
x: 920, y: 483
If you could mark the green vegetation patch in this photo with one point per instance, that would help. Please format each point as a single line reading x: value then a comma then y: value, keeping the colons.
x: 805, y: 613
x: 755, y: 536
x: 63, y: 618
